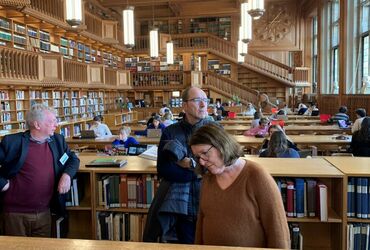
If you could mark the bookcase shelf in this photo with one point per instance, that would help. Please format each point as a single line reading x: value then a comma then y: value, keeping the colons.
x: 316, y: 234
x: 353, y: 168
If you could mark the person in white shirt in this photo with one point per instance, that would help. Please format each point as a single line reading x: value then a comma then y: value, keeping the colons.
x: 250, y: 109
x: 360, y: 114
x: 163, y: 109
x: 302, y: 108
x: 100, y: 129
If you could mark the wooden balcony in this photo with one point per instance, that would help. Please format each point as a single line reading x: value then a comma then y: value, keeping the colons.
x: 31, y: 68
x: 229, y: 88
x: 19, y: 65
x: 159, y: 80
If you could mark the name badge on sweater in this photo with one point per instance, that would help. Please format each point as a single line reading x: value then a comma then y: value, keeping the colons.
x: 63, y: 159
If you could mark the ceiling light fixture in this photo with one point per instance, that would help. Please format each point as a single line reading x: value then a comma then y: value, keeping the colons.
x: 153, y: 37
x: 256, y: 8
x: 74, y: 12
x: 246, y: 23
x: 128, y: 26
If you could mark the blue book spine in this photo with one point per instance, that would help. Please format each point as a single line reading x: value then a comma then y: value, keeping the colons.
x: 299, y: 183
x: 350, y: 196
x: 358, y: 198
x: 365, y: 198
x: 357, y: 236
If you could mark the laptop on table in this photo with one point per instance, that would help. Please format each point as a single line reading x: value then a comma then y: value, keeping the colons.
x: 87, y: 134
x: 154, y: 133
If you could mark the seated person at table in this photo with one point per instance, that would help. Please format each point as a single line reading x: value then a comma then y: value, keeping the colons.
x: 302, y: 108
x: 256, y: 119
x: 163, y: 109
x: 156, y: 124
x: 250, y: 109
x: 312, y: 110
x: 220, y: 107
x: 124, y: 138
x: 360, y: 144
x: 215, y: 114
x: 342, y: 115
x: 360, y: 115
x: 261, y: 130
x: 240, y: 204
x: 150, y: 120
x: 167, y: 120
x: 278, y: 147
x: 100, y: 129
x: 271, y: 130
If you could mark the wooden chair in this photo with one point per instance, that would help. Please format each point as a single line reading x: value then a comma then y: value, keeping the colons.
x: 309, y: 152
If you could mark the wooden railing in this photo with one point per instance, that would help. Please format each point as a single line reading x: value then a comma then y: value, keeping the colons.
x: 18, y: 64
x: 230, y: 88
x: 53, y: 8
x: 221, y: 47
x: 74, y: 71
x: 94, y: 24
x: 16, y: 3
x: 110, y: 76
x: 158, y: 80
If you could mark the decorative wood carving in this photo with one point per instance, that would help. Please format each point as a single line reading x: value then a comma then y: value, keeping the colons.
x: 15, y: 3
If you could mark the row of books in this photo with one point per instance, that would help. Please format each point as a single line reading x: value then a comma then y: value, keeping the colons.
x: 358, y: 236
x: 127, y: 191
x: 120, y: 226
x: 75, y: 194
x: 358, y: 201
x: 304, y: 197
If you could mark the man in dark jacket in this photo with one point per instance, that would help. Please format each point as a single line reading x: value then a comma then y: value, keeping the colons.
x: 176, y: 166
x: 36, y: 170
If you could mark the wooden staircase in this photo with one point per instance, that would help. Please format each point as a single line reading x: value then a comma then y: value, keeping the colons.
x: 257, y: 72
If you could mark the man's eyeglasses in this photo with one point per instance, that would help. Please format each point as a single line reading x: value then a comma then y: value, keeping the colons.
x: 198, y: 100
x: 203, y: 156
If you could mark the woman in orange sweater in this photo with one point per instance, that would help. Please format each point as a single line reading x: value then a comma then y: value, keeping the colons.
x: 240, y: 204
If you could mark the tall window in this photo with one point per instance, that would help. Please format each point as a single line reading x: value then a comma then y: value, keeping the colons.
x: 364, y: 85
x: 314, y: 55
x: 334, y: 44
x: 329, y: 48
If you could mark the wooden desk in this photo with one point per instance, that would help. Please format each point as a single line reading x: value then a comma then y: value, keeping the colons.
x: 351, y: 166
x: 291, y: 117
x: 302, y: 141
x: 21, y: 243
x: 248, y: 122
x: 308, y: 167
x: 135, y: 164
x: 101, y: 142
x: 294, y: 129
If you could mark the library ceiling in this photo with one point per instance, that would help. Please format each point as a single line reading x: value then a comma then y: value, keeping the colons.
x: 175, y: 8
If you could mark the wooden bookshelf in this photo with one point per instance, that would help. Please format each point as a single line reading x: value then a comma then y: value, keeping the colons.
x: 117, y: 120
x: 316, y: 234
x: 352, y: 167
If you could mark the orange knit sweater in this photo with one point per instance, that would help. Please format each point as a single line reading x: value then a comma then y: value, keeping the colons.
x: 248, y: 213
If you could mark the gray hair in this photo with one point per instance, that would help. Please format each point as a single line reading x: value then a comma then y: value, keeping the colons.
x: 126, y: 130
x: 36, y: 113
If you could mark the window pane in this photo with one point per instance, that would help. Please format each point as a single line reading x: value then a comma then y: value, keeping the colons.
x: 365, y: 19
x: 335, y: 35
x: 365, y: 56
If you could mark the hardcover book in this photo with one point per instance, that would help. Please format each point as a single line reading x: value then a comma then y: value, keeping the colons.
x: 107, y: 162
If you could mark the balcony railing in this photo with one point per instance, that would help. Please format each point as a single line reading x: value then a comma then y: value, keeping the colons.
x: 74, y: 72
x: 158, y: 80
x: 94, y: 24
x: 17, y: 64
x: 53, y: 8
x: 229, y: 88
x: 110, y: 76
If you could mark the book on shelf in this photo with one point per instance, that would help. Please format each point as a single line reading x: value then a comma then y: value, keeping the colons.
x: 107, y: 162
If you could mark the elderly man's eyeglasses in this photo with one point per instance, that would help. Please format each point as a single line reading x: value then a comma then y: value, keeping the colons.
x: 203, y: 156
x: 198, y: 100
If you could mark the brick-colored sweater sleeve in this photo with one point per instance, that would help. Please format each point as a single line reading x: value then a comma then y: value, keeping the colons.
x: 271, y: 207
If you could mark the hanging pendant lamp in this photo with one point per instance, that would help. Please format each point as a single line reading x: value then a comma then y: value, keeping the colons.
x: 153, y: 35
x: 256, y: 8
x: 74, y: 12
x: 169, y: 54
x: 246, y: 23
x: 128, y: 27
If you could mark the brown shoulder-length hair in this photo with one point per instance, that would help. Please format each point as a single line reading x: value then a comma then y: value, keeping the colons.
x: 213, y: 134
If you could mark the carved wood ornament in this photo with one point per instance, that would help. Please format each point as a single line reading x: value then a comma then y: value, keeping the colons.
x: 274, y: 25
